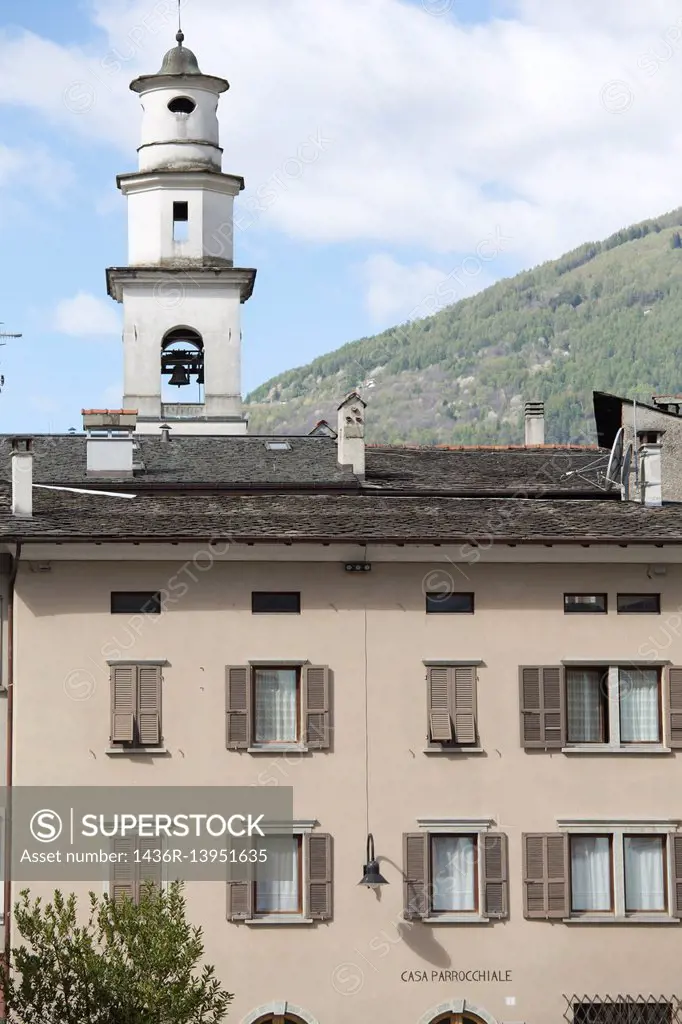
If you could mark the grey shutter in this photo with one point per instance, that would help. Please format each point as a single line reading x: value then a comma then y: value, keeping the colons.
x: 238, y: 706
x: 674, y: 707
x: 149, y: 705
x: 543, y: 707
x: 122, y: 874
x: 440, y: 723
x: 240, y: 901
x: 316, y: 706
x: 123, y: 690
x: 319, y: 875
x: 545, y: 876
x: 464, y: 702
x: 495, y: 879
x: 148, y: 870
x: 415, y: 875
x: 676, y: 894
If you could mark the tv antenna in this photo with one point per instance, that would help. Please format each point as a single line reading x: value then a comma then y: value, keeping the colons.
x: 613, y: 470
x: 3, y: 336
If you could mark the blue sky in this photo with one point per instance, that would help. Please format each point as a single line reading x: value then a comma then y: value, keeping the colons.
x: 450, y: 122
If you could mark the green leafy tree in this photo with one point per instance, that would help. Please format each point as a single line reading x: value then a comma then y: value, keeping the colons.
x: 126, y: 964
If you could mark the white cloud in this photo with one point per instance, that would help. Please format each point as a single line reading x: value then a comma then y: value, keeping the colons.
x: 557, y: 124
x: 396, y: 292
x: 86, y: 316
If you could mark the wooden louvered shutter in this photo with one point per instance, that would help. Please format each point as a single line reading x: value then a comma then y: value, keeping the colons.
x: 440, y: 723
x: 674, y: 707
x: 545, y: 875
x: 122, y: 876
x: 495, y: 878
x: 543, y: 714
x: 415, y: 875
x: 149, y: 705
x: 238, y: 706
x: 676, y: 895
x: 240, y: 901
x: 319, y: 876
x: 316, y: 706
x: 123, y: 689
x: 463, y: 689
x: 148, y: 869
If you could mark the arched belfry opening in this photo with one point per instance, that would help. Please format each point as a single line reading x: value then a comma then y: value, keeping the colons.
x: 182, y: 366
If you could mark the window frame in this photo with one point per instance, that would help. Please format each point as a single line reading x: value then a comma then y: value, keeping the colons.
x: 276, y: 744
x: 478, y: 827
x: 586, y: 611
x: 275, y: 593
x: 638, y: 611
x: 303, y: 829
x: 666, y: 879
x: 477, y: 894
x: 153, y: 597
x: 612, y: 871
x: 437, y: 598
x: 604, y: 706
x: 301, y: 887
x: 612, y: 704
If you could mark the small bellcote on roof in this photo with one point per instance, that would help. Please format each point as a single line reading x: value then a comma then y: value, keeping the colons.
x: 180, y: 60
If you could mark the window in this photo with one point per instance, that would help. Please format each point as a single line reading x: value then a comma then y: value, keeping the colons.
x: 180, y: 222
x: 451, y: 706
x: 455, y: 872
x: 136, y: 705
x: 280, y: 602
x: 136, y: 602
x: 630, y: 604
x: 587, y: 603
x: 622, y: 871
x: 138, y: 862
x: 295, y: 883
x: 621, y: 1011
x: 274, y: 706
x: 450, y: 602
x: 181, y: 105
x: 278, y: 446
x: 613, y: 706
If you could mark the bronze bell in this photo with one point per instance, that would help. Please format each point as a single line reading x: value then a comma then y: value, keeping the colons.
x: 179, y: 377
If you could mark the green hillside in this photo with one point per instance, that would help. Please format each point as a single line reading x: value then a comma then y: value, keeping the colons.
x: 604, y: 317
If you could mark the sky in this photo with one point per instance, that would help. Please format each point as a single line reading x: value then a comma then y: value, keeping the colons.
x: 458, y: 140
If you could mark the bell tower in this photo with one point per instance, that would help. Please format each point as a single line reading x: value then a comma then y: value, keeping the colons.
x: 181, y: 293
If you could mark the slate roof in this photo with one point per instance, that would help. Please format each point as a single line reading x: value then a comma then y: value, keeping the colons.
x: 245, y: 463
x: 358, y: 518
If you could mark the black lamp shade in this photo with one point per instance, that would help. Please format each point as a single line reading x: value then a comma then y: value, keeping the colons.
x: 372, y: 877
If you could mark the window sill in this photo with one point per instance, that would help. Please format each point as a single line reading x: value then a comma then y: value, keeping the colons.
x: 604, y: 748
x: 610, y: 919
x: 277, y: 748
x: 456, y: 919
x: 137, y: 752
x: 280, y: 920
x: 454, y: 750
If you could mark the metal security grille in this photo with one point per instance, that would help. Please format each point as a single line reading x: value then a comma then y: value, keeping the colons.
x: 623, y: 1010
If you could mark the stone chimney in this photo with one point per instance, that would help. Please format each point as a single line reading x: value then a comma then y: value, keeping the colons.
x: 650, y: 475
x: 535, y: 424
x: 351, y: 433
x: 22, y: 477
x: 109, y: 444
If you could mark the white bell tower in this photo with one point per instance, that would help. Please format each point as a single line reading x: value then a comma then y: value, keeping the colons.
x: 181, y: 292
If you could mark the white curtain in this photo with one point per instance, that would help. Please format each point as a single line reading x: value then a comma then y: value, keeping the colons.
x: 590, y: 873
x: 278, y: 892
x: 584, y: 692
x: 276, y: 706
x: 453, y: 873
x: 644, y: 873
x: 639, y: 714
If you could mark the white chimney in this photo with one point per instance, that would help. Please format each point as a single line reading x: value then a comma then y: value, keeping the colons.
x: 651, y: 477
x: 535, y: 424
x: 109, y: 445
x: 351, y: 433
x: 22, y: 477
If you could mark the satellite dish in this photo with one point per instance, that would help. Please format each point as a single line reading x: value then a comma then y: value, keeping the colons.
x: 615, y: 459
x: 625, y: 470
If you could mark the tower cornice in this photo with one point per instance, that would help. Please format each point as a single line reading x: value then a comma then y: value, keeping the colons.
x: 194, y: 176
x: 171, y: 275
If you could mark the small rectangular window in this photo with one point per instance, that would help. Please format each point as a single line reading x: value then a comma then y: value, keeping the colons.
x: 591, y: 874
x: 449, y: 602
x: 633, y: 603
x: 644, y: 859
x: 587, y: 698
x: 284, y: 895
x: 454, y: 874
x: 585, y: 603
x: 135, y: 602
x: 180, y: 222
x: 639, y: 691
x: 277, y: 705
x: 276, y: 601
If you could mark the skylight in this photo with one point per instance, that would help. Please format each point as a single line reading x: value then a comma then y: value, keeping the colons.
x: 278, y: 446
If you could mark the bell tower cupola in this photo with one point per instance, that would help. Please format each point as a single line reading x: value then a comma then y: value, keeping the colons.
x: 181, y: 292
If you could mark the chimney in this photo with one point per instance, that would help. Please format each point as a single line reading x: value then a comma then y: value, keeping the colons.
x: 651, y: 477
x: 109, y: 444
x: 165, y: 433
x: 22, y: 477
x: 351, y: 435
x: 535, y: 424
